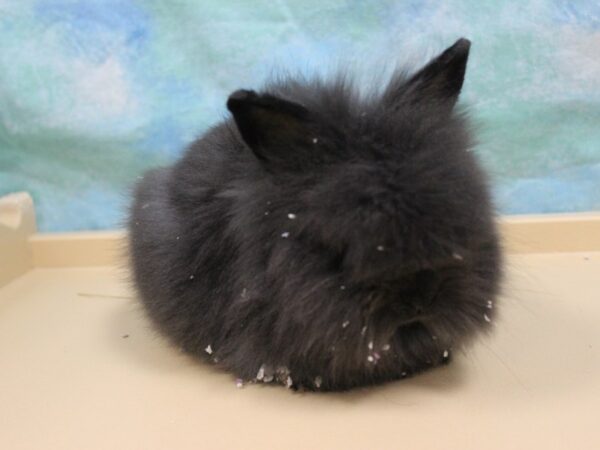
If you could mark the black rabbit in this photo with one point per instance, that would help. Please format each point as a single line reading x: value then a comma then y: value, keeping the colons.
x: 323, y: 239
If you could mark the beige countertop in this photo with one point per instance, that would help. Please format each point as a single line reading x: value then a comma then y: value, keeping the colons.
x: 80, y: 368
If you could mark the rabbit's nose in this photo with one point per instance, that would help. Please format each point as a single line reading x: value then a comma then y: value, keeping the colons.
x: 426, y: 285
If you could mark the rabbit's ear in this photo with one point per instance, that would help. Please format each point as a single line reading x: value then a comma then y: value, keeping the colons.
x: 439, y: 82
x: 270, y: 126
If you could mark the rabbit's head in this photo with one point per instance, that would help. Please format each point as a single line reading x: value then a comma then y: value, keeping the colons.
x: 386, y: 187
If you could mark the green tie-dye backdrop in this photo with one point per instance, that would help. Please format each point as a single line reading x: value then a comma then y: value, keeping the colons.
x: 92, y: 92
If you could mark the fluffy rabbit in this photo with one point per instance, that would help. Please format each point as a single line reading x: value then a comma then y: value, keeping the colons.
x: 324, y: 239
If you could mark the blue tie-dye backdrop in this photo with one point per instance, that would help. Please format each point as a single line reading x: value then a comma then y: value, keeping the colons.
x: 92, y: 92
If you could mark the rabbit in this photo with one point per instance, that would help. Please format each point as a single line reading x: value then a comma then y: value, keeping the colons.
x: 321, y: 239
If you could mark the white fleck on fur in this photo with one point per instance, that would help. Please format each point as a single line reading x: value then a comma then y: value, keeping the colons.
x: 318, y: 381
x: 208, y: 349
x: 285, y: 234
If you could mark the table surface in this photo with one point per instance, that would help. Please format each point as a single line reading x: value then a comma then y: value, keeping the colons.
x: 70, y: 379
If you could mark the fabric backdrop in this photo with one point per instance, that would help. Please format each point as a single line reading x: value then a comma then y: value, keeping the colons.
x: 93, y: 92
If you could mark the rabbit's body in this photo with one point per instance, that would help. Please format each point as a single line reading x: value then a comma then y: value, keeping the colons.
x: 321, y: 239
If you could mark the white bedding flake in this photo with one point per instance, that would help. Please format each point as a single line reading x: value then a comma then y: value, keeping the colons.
x: 345, y: 323
x: 342, y: 287
x: 318, y: 381
x: 239, y: 383
x: 244, y: 293
x: 370, y: 345
x: 370, y: 358
x: 285, y: 234
x: 315, y: 140
x: 261, y: 373
x: 487, y: 318
x: 380, y: 248
x: 457, y: 256
x: 208, y: 349
x: 445, y: 354
x: 490, y: 304
x: 364, y: 330
x: 282, y: 372
x: 386, y: 347
x: 289, y: 382
x: 191, y: 277
x: 291, y: 216
x: 177, y: 237
x: 266, y: 213
x: 403, y: 374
